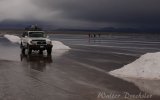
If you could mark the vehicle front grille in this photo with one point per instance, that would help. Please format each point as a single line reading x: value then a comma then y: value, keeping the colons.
x: 40, y: 42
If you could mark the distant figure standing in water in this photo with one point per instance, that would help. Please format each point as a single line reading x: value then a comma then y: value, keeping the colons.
x: 99, y: 34
x: 89, y: 35
x: 94, y: 35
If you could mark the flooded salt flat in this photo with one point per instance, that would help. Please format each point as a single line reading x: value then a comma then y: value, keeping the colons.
x: 80, y: 73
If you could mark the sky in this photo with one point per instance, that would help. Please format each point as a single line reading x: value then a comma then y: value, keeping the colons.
x: 80, y: 14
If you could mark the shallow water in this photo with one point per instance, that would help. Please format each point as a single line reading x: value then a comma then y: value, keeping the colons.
x: 80, y: 73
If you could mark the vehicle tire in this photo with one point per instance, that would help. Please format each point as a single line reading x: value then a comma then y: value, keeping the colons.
x: 29, y: 50
x: 21, y: 46
x: 49, y: 51
x: 23, y: 50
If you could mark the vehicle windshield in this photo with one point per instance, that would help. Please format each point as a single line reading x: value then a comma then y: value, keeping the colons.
x: 36, y: 34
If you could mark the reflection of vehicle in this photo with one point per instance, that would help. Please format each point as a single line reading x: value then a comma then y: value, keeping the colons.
x: 35, y: 39
x: 36, y: 62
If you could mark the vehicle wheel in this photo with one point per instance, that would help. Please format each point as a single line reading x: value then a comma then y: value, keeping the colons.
x: 29, y: 51
x: 23, y: 50
x: 49, y: 51
x: 21, y: 45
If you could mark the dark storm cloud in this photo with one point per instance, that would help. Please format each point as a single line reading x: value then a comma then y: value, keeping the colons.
x: 83, y: 13
x: 114, y: 11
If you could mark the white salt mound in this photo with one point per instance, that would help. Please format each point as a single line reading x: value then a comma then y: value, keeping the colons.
x: 147, y: 67
x: 57, y: 45
x: 13, y: 38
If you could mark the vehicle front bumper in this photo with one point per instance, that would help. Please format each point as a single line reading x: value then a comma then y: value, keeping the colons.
x: 40, y: 47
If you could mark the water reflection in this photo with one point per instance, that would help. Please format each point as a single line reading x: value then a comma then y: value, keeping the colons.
x: 59, y: 53
x: 148, y: 86
x: 41, y: 62
x: 36, y: 62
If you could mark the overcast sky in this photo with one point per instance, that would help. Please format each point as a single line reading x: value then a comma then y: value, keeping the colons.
x: 82, y: 14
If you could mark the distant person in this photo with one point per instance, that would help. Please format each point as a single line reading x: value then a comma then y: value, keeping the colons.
x: 99, y: 34
x: 94, y: 35
x: 89, y: 35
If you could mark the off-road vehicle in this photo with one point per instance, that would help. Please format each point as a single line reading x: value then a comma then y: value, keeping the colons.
x: 35, y: 39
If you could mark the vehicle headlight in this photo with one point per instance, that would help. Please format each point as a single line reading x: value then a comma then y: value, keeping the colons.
x: 33, y: 42
x: 49, y: 42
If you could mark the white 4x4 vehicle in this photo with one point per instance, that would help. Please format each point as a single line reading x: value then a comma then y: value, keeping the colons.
x: 35, y: 40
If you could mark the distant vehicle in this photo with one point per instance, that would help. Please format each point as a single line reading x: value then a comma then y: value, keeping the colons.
x: 33, y: 38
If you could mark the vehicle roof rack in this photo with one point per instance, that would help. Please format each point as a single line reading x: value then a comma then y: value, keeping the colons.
x: 33, y: 28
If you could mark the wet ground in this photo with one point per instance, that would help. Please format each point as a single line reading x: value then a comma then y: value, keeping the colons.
x: 77, y: 74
